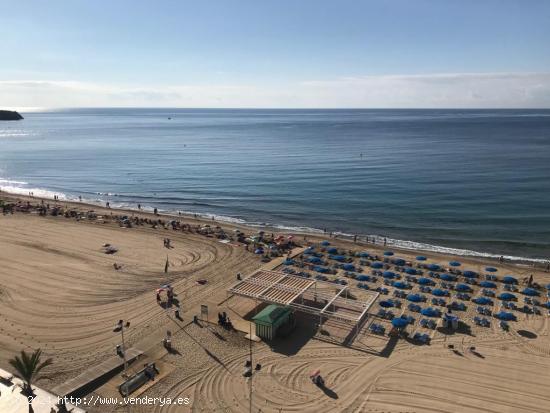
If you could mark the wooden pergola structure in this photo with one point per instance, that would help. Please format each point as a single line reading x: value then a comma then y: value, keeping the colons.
x: 320, y: 298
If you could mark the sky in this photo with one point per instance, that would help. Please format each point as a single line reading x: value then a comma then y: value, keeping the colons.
x: 275, y: 53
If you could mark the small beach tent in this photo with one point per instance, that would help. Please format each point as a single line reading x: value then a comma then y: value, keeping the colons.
x: 398, y: 261
x: 487, y: 284
x: 439, y: 292
x: 450, y: 320
x: 402, y: 285
x: 463, y: 287
x: 415, y: 298
x: 389, y: 274
x: 377, y: 265
x: 448, y: 277
x: 454, y: 264
x: 388, y: 253
x: 400, y: 322
x: 483, y: 301
x: 508, y: 279
x: 421, y: 258
x: 470, y: 274
x: 507, y: 296
x: 504, y: 315
x: 270, y: 319
x: 491, y: 269
x: 530, y: 292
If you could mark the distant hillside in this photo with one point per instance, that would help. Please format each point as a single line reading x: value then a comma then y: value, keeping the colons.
x: 10, y: 115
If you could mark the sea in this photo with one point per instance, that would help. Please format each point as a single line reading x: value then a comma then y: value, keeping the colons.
x: 469, y: 182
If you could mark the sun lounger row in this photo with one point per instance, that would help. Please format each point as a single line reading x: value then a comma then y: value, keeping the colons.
x: 439, y: 301
x: 377, y: 329
x: 482, y: 321
x: 484, y: 311
x: 428, y: 323
x: 388, y: 315
x: 458, y: 306
x: 422, y: 338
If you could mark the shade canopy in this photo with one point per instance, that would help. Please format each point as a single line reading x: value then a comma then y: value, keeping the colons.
x: 401, y: 285
x: 400, y: 322
x: 415, y: 298
x: 425, y: 281
x: 482, y: 301
x: 530, y: 292
x: 386, y: 303
x: 469, y: 274
x: 388, y: 253
x: 505, y: 315
x: 507, y: 296
x: 454, y: 264
x: 448, y: 277
x: 439, y: 292
x: 463, y: 287
x: 332, y: 251
x: 389, y: 274
x: 433, y: 267
x: 349, y: 267
x: 491, y: 269
x: 488, y: 284
x: 377, y: 265
x: 508, y: 279
x: 430, y: 312
x: 315, y: 260
x: 411, y: 271
x: 421, y: 258
x: 362, y: 277
x: 325, y: 243
x: 398, y: 261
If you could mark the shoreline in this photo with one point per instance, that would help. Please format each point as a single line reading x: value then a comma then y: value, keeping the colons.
x: 313, y: 235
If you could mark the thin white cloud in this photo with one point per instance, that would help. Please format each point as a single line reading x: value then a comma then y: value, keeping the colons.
x: 458, y: 90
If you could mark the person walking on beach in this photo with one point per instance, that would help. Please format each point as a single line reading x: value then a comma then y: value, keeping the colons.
x: 355, y: 239
x: 139, y: 207
x: 385, y: 241
x: 155, y: 211
x: 107, y: 204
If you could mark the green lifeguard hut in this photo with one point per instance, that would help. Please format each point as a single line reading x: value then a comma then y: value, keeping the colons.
x: 274, y: 320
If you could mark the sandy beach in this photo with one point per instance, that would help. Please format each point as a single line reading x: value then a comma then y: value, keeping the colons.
x: 59, y: 291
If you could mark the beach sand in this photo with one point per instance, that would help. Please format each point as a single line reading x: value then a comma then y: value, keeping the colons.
x: 60, y: 292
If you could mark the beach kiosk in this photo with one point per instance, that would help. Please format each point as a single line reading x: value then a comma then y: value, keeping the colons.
x: 272, y: 320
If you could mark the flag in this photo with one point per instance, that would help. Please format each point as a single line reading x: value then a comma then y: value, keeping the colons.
x: 166, y: 265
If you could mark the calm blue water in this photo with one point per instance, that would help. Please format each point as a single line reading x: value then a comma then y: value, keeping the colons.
x: 466, y: 179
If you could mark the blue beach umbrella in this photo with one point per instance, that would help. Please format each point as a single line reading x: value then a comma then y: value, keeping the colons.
x: 508, y: 279
x: 488, y: 284
x: 433, y: 267
x: 548, y: 286
x: 339, y: 258
x: 332, y: 251
x: 507, y: 296
x: 288, y: 262
x: 389, y: 274
x: 411, y: 271
x: 315, y: 260
x: 364, y: 254
x: 401, y: 285
x: 463, y: 287
x: 325, y: 243
x: 454, y: 264
x: 547, y: 305
x: 430, y: 312
x: 447, y: 277
x: 504, y: 315
x: 530, y: 292
x: 349, y: 267
x: 399, y: 322
x: 388, y: 253
x: 415, y: 298
x: 439, y: 292
x: 362, y: 277
x: 470, y: 274
x: 483, y: 301
x: 491, y: 269
x: 398, y: 261
x: 377, y: 265
x: 421, y: 258
x: 425, y: 281
x: 321, y: 269
x: 386, y: 303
